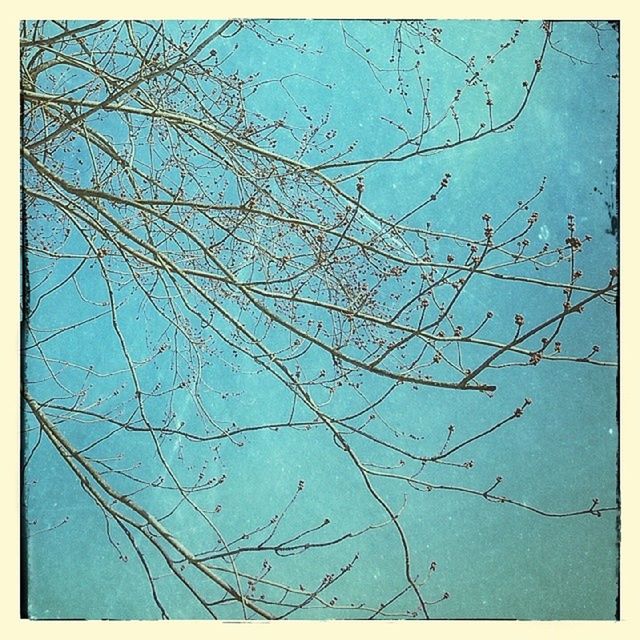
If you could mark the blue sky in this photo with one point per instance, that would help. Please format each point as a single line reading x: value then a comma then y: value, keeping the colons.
x: 494, y: 559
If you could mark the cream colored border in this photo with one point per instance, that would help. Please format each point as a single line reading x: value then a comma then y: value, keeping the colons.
x: 13, y: 11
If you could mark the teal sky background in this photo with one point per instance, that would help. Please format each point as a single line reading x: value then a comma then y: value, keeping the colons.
x: 495, y: 560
